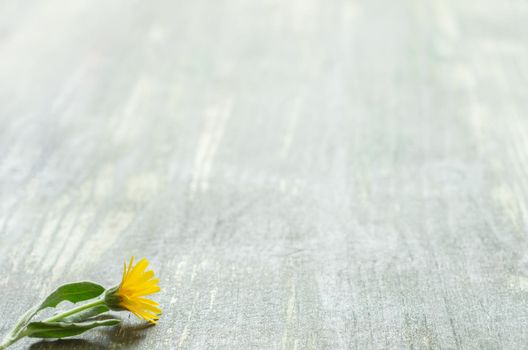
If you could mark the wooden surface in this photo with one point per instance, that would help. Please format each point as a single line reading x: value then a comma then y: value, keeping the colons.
x: 302, y: 174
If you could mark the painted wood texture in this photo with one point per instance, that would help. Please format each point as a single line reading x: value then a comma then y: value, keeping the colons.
x: 302, y: 174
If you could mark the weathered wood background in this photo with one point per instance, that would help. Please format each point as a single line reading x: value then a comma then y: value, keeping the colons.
x: 302, y: 174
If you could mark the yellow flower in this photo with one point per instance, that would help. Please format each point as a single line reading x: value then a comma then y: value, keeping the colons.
x: 129, y: 295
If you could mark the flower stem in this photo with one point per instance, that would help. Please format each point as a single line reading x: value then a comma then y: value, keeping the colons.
x: 15, y: 333
x: 7, y: 343
x: 10, y: 341
x: 18, y: 331
x: 74, y: 311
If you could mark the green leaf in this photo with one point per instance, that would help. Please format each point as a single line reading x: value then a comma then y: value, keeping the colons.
x: 63, y: 329
x: 73, y: 292
x: 86, y: 314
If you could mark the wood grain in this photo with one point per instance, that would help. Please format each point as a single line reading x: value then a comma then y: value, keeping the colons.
x: 302, y: 174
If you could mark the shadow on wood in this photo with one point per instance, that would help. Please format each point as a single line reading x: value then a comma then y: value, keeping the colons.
x: 126, y: 335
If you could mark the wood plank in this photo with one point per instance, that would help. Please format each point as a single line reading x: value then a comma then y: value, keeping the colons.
x: 302, y: 174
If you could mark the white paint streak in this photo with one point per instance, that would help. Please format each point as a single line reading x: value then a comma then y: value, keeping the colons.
x: 129, y: 124
x: 105, y: 235
x: 69, y: 244
x: 212, y: 297
x: 66, y: 93
x: 193, y: 273
x: 210, y: 138
x: 290, y: 129
x: 140, y: 188
x: 44, y: 238
x: 183, y: 337
x: 290, y: 315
